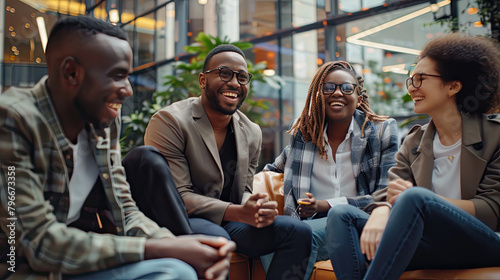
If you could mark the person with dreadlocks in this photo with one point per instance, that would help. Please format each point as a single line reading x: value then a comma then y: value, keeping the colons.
x: 339, y: 152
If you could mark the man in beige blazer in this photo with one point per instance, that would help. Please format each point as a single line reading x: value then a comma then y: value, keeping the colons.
x: 213, y: 150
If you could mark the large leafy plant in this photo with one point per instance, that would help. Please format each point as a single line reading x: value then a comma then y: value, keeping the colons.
x: 184, y: 84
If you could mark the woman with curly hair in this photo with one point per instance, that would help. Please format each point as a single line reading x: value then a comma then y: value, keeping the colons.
x: 449, y: 220
x: 339, y: 152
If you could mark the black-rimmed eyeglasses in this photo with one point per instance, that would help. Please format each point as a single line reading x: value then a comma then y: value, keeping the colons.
x: 416, y: 79
x: 345, y: 88
x: 226, y: 74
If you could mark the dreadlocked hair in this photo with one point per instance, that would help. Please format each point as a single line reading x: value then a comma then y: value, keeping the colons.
x: 312, y: 120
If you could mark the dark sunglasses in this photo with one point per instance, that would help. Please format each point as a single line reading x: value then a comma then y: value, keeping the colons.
x: 226, y: 74
x: 345, y: 88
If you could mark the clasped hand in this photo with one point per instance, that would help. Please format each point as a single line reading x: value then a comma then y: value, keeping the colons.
x: 259, y: 211
x: 208, y: 255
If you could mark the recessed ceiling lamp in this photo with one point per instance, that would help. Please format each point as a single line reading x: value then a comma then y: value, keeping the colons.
x: 355, y: 39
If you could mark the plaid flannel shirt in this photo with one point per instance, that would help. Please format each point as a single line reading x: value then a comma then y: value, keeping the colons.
x: 371, y: 156
x: 32, y: 142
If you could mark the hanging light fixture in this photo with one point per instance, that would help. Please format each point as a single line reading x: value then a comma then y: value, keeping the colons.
x: 40, y: 21
x: 114, y: 16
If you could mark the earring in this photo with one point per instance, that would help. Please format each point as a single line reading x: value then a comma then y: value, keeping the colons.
x: 73, y: 82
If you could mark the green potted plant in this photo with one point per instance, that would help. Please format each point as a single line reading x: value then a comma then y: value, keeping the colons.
x: 184, y: 84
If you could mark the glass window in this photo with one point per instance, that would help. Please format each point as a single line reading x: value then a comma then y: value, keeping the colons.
x: 100, y: 11
x: 351, y: 6
x: 24, y: 29
x: 128, y: 12
x: 196, y: 21
x: 384, y: 53
x: 165, y: 30
x: 145, y: 28
x: 144, y: 6
x: 258, y: 18
x: 161, y: 17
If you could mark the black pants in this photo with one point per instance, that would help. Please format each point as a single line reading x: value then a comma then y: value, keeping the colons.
x: 154, y: 191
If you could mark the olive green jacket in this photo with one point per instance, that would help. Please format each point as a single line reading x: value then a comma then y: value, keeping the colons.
x: 36, y: 163
x: 479, y: 164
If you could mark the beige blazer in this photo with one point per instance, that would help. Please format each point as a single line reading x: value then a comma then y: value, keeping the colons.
x: 183, y: 134
x: 479, y: 164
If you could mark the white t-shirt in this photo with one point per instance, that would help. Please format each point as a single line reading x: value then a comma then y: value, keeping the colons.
x: 84, y: 176
x: 334, y: 180
x: 446, y: 171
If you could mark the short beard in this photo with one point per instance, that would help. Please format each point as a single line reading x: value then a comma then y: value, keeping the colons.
x: 214, y: 100
x: 87, y: 117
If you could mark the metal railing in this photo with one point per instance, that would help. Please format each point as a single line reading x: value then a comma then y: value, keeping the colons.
x: 21, y: 74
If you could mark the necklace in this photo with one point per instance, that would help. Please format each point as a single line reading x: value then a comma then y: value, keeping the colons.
x: 451, y: 158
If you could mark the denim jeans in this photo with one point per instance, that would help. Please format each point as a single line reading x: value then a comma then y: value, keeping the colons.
x: 287, y: 237
x: 158, y: 269
x: 318, y: 249
x: 423, y: 232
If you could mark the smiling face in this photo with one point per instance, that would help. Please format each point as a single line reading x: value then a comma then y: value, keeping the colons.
x: 219, y: 96
x: 106, y: 64
x: 433, y: 95
x: 340, y: 107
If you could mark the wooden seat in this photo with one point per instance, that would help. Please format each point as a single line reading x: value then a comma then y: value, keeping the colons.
x: 324, y: 270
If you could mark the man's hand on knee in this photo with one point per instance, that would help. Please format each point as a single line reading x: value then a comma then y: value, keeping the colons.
x: 208, y: 255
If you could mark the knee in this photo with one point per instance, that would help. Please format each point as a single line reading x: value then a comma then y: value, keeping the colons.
x: 184, y: 270
x: 146, y: 156
x: 167, y: 268
x: 339, y: 213
x: 140, y: 152
x: 414, y: 196
x: 206, y: 227
x: 296, y: 228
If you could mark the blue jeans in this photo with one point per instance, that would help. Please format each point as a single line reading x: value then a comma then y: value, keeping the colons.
x: 423, y: 232
x: 158, y: 269
x: 288, y: 238
x: 318, y: 250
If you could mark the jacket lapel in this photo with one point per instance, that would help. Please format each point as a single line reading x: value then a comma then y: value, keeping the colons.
x: 471, y: 163
x: 242, y: 153
x: 358, y: 143
x: 424, y: 162
x: 204, y: 127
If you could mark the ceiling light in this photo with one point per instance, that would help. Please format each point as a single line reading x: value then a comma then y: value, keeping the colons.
x: 472, y: 10
x: 42, y: 31
x: 114, y: 17
x: 269, y: 72
x: 398, y: 68
x: 434, y: 8
x: 355, y: 39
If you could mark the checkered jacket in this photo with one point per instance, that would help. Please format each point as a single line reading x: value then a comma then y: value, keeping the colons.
x: 371, y: 155
x: 32, y: 141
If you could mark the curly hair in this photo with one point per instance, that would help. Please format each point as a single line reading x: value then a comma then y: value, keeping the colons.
x: 312, y: 120
x: 472, y: 60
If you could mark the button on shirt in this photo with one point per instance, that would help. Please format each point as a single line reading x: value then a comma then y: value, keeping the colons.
x: 334, y: 180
